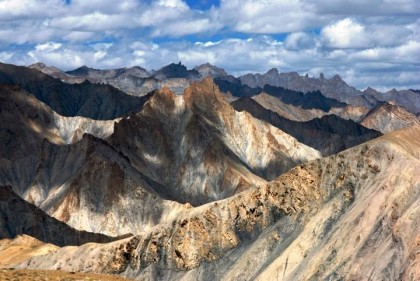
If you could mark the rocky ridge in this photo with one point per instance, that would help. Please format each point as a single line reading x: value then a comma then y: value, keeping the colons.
x: 138, y: 82
x: 334, y: 87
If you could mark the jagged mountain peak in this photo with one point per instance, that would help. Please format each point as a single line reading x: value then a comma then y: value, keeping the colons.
x: 37, y: 65
x: 81, y: 71
x: 337, y: 78
x: 208, y: 69
x: 205, y: 88
x: 370, y: 91
x: 176, y: 70
x: 273, y: 71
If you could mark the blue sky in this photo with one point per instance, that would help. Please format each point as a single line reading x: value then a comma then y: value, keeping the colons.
x: 368, y: 43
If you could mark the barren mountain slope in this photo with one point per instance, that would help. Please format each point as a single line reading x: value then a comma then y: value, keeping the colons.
x: 409, y: 99
x: 20, y: 217
x: 297, y: 113
x: 387, y: 118
x: 14, y: 251
x: 193, y: 148
x: 201, y: 149
x: 348, y: 216
x: 329, y: 134
x: 69, y: 182
x: 91, y: 186
x: 23, y: 115
x: 96, y: 101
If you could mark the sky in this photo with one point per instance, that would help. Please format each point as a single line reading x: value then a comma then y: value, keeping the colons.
x: 368, y: 43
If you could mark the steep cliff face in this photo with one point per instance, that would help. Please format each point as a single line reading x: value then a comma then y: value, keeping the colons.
x: 329, y: 134
x: 347, y: 216
x: 387, y: 118
x: 201, y: 149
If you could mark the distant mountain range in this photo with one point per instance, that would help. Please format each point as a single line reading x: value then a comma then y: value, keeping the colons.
x: 139, y: 81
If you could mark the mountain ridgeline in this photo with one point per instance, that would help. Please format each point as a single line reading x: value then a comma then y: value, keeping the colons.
x: 96, y: 101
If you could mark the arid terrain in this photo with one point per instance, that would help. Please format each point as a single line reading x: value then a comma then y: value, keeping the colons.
x: 194, y: 174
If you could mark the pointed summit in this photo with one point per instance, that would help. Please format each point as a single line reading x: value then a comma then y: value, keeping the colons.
x: 176, y: 70
x: 210, y: 70
x: 81, y: 71
x: 273, y: 72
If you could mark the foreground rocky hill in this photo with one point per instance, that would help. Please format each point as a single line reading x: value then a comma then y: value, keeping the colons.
x: 348, y: 216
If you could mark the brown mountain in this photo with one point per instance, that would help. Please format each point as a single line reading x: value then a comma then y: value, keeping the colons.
x: 200, y: 148
x: 347, y: 216
x: 190, y: 149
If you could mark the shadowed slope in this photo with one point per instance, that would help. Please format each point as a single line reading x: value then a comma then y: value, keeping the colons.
x: 20, y: 217
x: 329, y: 134
x: 95, y: 101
